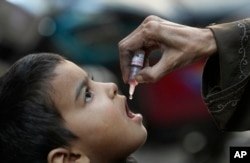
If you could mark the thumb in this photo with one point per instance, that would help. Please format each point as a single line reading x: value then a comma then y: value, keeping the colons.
x: 154, y: 73
x: 146, y: 75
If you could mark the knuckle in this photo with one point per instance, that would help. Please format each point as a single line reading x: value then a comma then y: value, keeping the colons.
x: 151, y: 25
x: 150, y: 18
x: 149, y: 28
x: 121, y: 44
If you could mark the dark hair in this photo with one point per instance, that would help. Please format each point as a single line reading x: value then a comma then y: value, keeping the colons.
x: 30, y: 125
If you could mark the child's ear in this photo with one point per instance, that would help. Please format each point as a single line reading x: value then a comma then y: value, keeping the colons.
x: 63, y: 155
x: 58, y: 155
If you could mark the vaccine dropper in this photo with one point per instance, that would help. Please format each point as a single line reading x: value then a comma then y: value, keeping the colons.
x: 136, y: 66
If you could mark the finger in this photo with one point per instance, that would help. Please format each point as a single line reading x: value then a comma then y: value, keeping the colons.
x: 126, y: 51
x: 156, y: 72
x: 125, y: 60
x: 136, y: 39
x: 130, y: 39
x: 141, y: 26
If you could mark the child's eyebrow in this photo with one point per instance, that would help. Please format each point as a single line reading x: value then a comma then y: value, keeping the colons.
x: 84, y: 83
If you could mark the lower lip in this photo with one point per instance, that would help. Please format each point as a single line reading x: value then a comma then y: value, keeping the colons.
x: 135, y: 117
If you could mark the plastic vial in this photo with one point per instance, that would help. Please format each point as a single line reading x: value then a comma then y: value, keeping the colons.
x: 136, y: 66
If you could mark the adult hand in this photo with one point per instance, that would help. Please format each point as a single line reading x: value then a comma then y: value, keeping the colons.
x: 180, y: 45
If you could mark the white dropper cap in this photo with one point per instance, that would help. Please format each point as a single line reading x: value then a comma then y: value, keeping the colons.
x: 131, y: 91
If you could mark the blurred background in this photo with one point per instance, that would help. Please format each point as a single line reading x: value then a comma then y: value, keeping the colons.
x: 87, y: 32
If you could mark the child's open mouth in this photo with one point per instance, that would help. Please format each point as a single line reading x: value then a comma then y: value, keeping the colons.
x: 136, y: 117
x: 130, y: 114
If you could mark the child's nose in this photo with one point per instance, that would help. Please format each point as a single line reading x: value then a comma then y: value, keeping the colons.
x: 112, y: 90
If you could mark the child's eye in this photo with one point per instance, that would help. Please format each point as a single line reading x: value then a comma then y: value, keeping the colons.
x: 87, y: 95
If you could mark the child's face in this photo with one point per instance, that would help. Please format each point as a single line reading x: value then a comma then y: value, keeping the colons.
x: 96, y: 113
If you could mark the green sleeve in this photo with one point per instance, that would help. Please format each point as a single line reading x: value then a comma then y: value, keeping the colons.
x: 225, y: 80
